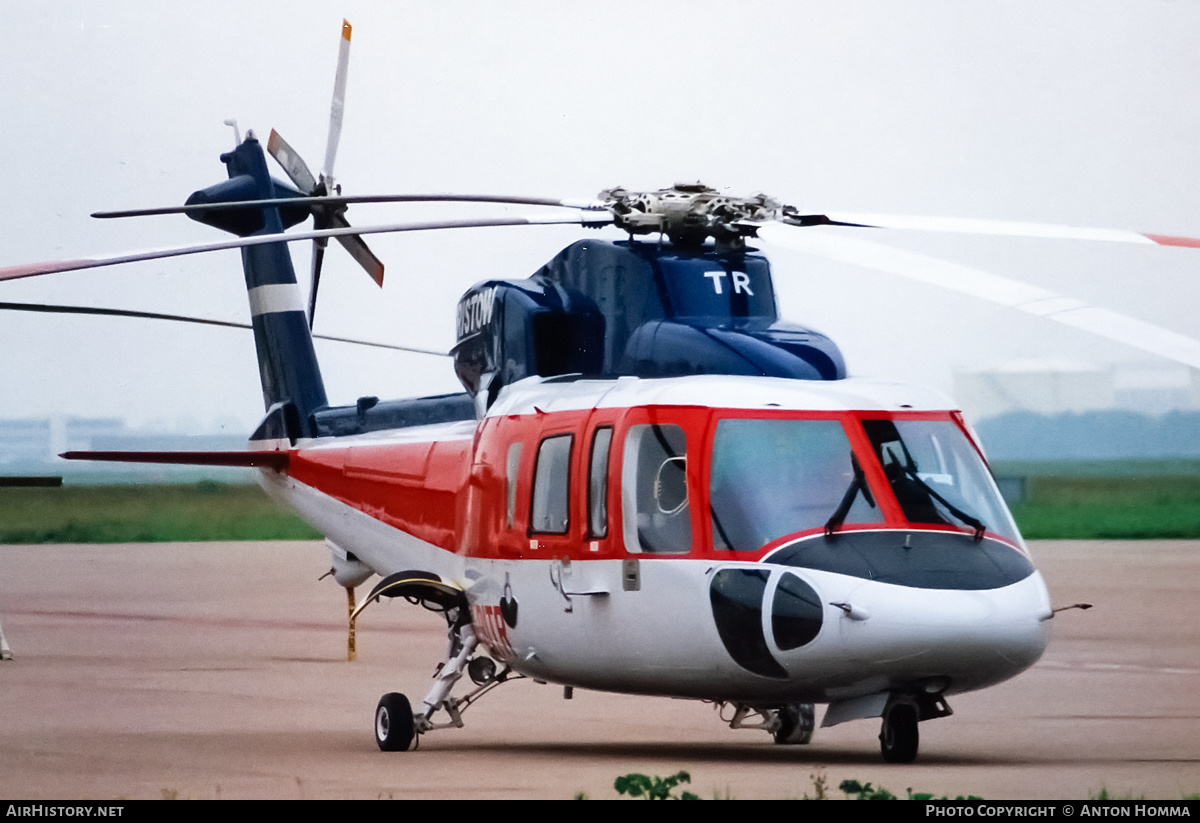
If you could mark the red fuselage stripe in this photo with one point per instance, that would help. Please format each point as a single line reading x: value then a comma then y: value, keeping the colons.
x: 453, y: 493
x: 414, y: 487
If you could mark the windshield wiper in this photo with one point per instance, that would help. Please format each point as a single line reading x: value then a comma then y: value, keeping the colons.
x: 858, y: 484
x: 973, y: 522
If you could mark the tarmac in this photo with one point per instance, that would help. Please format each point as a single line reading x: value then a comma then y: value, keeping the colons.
x: 218, y: 670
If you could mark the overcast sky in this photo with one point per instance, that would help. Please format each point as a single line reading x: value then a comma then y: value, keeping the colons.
x: 1084, y: 113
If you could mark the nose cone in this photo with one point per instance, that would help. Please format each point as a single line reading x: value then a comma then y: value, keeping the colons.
x: 904, y: 609
x: 972, y: 639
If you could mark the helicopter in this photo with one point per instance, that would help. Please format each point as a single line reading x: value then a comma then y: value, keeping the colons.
x: 651, y: 483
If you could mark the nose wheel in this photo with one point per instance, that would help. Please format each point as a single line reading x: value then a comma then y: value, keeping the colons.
x: 796, y: 724
x: 898, y: 738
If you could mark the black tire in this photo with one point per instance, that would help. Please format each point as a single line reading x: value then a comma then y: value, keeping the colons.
x: 797, y: 721
x: 898, y: 739
x: 394, y: 729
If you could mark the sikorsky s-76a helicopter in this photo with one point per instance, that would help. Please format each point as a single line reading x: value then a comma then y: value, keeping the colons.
x: 651, y: 484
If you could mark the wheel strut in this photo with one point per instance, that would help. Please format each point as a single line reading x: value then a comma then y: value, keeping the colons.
x: 393, y: 734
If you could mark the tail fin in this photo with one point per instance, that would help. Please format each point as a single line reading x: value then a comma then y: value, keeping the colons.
x: 287, y: 362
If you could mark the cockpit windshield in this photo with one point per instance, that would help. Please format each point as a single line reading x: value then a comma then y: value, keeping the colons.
x: 772, y: 478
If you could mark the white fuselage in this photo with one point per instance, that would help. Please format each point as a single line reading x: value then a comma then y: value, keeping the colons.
x: 604, y: 614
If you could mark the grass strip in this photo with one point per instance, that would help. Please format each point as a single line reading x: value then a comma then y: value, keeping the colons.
x: 151, y: 514
x: 1110, y: 508
x: 1076, y: 506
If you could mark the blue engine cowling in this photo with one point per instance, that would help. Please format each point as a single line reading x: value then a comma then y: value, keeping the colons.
x: 603, y: 309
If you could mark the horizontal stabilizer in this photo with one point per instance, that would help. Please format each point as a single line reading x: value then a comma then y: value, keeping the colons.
x: 277, y: 460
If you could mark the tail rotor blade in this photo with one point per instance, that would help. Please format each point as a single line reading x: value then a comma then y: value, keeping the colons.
x: 292, y: 164
x: 335, y: 216
x: 359, y: 251
x: 337, y: 106
x: 327, y: 217
x: 318, y: 257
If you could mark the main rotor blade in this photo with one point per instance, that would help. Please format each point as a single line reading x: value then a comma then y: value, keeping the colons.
x: 1002, y: 228
x: 49, y: 308
x: 991, y: 287
x: 52, y: 267
x: 336, y: 107
x: 341, y: 200
x: 292, y: 164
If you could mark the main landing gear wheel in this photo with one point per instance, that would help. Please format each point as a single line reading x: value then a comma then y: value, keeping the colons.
x: 394, y: 728
x: 796, y: 724
x: 898, y: 738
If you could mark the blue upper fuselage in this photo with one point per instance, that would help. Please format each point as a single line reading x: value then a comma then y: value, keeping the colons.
x: 607, y: 309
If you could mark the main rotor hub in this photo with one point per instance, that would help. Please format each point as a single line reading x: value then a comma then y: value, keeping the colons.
x: 689, y: 213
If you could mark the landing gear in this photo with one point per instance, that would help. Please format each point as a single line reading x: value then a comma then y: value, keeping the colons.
x: 898, y: 738
x: 397, y: 726
x: 791, y: 724
x: 394, y: 726
x: 796, y: 724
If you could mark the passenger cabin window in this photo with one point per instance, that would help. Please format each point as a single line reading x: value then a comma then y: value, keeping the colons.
x: 654, y: 490
x: 511, y: 467
x: 598, y: 483
x: 551, y: 486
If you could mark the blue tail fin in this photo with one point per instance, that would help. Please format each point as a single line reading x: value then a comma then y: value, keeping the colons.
x: 291, y: 379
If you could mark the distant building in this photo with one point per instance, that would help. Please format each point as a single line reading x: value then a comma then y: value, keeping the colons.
x: 1156, y: 388
x: 40, y: 439
x: 32, y: 446
x: 1056, y: 386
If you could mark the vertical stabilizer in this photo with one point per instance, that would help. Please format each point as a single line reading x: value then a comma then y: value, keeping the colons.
x: 287, y: 363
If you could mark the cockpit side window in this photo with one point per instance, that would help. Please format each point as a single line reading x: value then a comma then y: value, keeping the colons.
x: 654, y: 490
x: 937, y: 476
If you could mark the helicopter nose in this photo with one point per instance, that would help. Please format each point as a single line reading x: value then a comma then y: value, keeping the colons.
x: 965, y: 639
x: 814, y: 628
